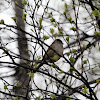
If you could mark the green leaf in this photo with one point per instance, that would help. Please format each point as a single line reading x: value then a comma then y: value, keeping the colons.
x: 16, y: 98
x: 5, y: 52
x: 52, y: 20
x: 97, y: 33
x: 64, y: 13
x: 1, y: 21
x: 40, y: 21
x: 50, y: 15
x: 35, y: 66
x: 67, y: 53
x: 60, y: 31
x: 72, y: 68
x: 32, y: 94
x: 51, y: 30
x: 38, y: 5
x: 73, y: 28
x: 50, y: 80
x: 21, y: 99
x: 84, y: 46
x: 38, y: 98
x: 85, y: 62
x: 5, y: 87
x: 39, y: 57
x: 32, y: 30
x: 61, y: 72
x: 84, y: 91
x: 84, y: 88
x: 53, y: 65
x: 66, y: 5
x: 99, y: 65
x: 24, y: 16
x: 40, y: 27
x: 55, y: 57
x: 19, y: 84
x: 77, y: 74
x: 55, y: 35
x: 70, y: 19
x: 24, y: 2
x: 67, y: 38
x: 53, y: 96
x: 68, y: 97
x: 55, y: 25
x: 73, y: 50
x: 46, y: 37
x: 95, y: 92
x: 16, y: 2
x: 92, y: 23
x: 14, y: 18
x: 98, y: 81
x: 31, y: 74
x: 97, y: 26
x: 72, y: 59
x: 82, y: 55
x: 96, y: 13
x: 99, y: 7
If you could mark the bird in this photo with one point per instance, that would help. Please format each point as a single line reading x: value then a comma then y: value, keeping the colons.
x: 54, y: 52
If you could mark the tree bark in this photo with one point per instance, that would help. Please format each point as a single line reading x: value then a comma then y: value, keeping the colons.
x: 21, y: 74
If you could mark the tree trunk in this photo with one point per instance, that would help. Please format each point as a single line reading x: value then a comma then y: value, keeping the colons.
x: 21, y: 74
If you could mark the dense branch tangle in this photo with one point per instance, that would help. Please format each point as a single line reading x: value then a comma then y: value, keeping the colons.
x: 45, y: 23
